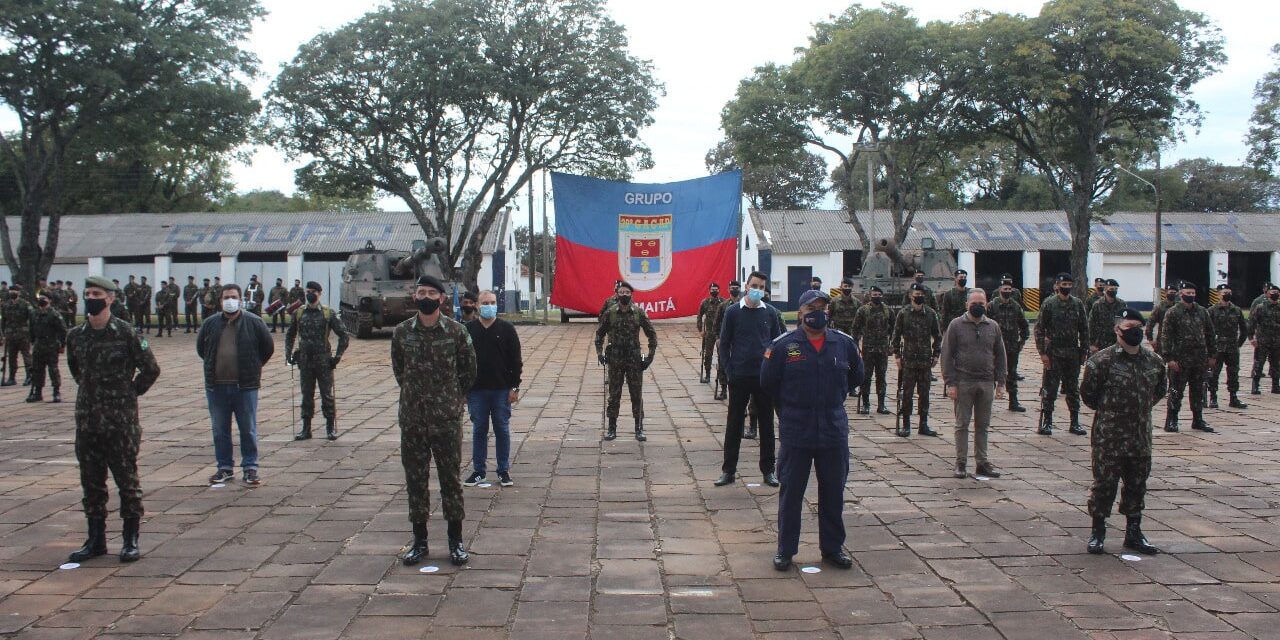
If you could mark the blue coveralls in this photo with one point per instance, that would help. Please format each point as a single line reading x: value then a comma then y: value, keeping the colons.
x: 809, y: 389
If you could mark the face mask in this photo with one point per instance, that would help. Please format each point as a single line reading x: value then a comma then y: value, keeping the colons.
x: 231, y: 305
x: 1111, y: 293
x: 468, y: 310
x: 1189, y: 299
x: 735, y: 292
x: 1275, y: 296
x: 624, y: 298
x: 312, y: 298
x: 1132, y: 336
x: 428, y: 306
x: 1065, y: 291
x: 94, y: 306
x: 1170, y: 297
x: 756, y: 295
x: 961, y: 282
x: 1006, y: 294
x: 846, y: 292
x: 978, y: 310
x: 816, y: 319
x: 920, y: 279
x: 488, y: 311
x: 877, y: 299
x: 917, y: 300
x: 815, y: 287
x: 1226, y: 297
x: 715, y: 293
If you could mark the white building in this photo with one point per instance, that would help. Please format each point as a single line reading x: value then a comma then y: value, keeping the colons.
x: 1032, y: 246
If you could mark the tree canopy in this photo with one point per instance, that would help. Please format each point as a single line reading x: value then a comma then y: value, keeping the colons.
x: 797, y: 181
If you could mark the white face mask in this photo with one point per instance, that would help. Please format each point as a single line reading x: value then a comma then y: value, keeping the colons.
x: 231, y: 305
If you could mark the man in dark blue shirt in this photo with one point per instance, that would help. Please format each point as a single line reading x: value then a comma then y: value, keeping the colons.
x: 748, y: 327
x: 809, y: 372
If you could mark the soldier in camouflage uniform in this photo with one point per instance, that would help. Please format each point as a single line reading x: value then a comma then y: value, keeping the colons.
x: 1264, y: 327
x: 621, y: 324
x: 16, y: 324
x: 844, y: 308
x: 916, y: 345
x: 72, y: 304
x: 1157, y: 315
x: 210, y: 297
x: 1259, y: 354
x: 1062, y: 337
x: 118, y: 307
x: 279, y: 294
x: 1122, y: 383
x: 130, y: 291
x: 722, y: 380
x: 1230, y: 331
x: 1096, y: 293
x: 144, y: 303
x: 311, y: 327
x: 955, y: 301
x: 930, y: 298
x: 610, y: 301
x: 873, y: 328
x: 1187, y: 343
x: 191, y: 298
x: 175, y: 294
x: 297, y: 293
x: 709, y: 329
x: 434, y: 364
x: 1102, y: 315
x: 1007, y: 311
x: 103, y: 355
x: 48, y: 337
x: 162, y: 306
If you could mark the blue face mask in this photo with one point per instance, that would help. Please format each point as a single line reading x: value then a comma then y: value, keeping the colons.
x: 488, y: 311
x: 816, y: 320
x: 756, y: 295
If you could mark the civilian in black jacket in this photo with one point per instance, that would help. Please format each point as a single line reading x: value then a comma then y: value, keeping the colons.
x: 232, y: 374
x: 749, y: 326
x: 497, y: 387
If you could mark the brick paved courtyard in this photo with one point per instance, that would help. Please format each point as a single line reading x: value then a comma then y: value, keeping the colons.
x: 625, y: 540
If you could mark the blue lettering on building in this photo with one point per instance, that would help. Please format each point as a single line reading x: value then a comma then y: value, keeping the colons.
x: 284, y: 234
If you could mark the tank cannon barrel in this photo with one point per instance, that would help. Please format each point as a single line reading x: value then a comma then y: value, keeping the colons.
x: 890, y: 248
x: 421, y: 250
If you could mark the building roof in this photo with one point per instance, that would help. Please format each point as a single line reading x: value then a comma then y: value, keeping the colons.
x: 829, y: 230
x: 154, y: 234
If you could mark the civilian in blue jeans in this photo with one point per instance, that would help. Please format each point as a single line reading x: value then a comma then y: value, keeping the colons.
x: 234, y: 345
x: 497, y: 387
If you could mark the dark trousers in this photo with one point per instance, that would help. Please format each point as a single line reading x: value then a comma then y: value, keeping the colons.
x: 631, y: 372
x: 1189, y: 379
x: 45, y: 360
x: 193, y: 316
x: 13, y: 346
x: 315, y: 371
x: 913, y: 381
x: 419, y: 443
x: 876, y: 364
x: 1231, y: 359
x: 1011, y: 352
x: 116, y: 451
x: 1266, y: 352
x: 1063, y: 371
x: 278, y: 319
x: 708, y: 350
x: 741, y: 392
x: 1108, y: 472
x: 832, y: 467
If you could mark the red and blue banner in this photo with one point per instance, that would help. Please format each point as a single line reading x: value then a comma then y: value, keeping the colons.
x: 670, y: 241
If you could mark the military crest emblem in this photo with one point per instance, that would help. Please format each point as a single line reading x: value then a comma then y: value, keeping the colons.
x: 644, y: 249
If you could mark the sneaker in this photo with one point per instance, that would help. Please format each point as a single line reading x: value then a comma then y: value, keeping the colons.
x: 474, y: 479
x: 223, y: 476
x: 251, y: 477
x: 504, y: 479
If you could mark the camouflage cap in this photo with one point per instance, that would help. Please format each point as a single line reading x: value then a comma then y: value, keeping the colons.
x: 1129, y: 313
x: 100, y: 283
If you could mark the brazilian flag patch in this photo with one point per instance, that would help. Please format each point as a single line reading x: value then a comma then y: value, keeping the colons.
x: 145, y: 344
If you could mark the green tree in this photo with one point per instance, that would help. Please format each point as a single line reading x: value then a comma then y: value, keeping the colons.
x: 797, y: 183
x: 1264, y: 130
x: 273, y: 201
x: 1086, y: 84
x: 94, y: 79
x: 453, y: 105
x: 539, y: 239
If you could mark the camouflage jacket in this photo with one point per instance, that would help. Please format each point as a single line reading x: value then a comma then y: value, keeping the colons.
x: 48, y: 331
x: 144, y: 296
x: 930, y: 299
x: 1229, y: 327
x: 1122, y: 389
x: 103, y: 363
x: 1014, y: 329
x: 707, y: 312
x: 917, y: 337
x: 1186, y: 335
x: 119, y: 310
x: 873, y: 325
x: 278, y: 293
x: 162, y: 297
x: 130, y: 291
x: 17, y: 316
x: 311, y: 328
x: 1156, y: 318
x: 1260, y: 300
x: 622, y: 327
x: 296, y: 294
x: 175, y: 294
x: 57, y: 299
x: 1063, y: 328
x: 209, y: 296
x: 1264, y: 323
x: 191, y: 294
x: 435, y: 367
x: 70, y: 299
x: 952, y: 304
x: 604, y: 308
x: 1102, y: 321
x: 843, y: 310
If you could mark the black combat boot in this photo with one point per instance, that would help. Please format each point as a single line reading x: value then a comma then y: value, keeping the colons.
x: 1171, y: 421
x: 1046, y: 422
x: 11, y: 382
x: 924, y: 426
x: 35, y: 395
x: 1198, y: 423
x: 640, y: 437
x: 457, y: 553
x: 96, y: 545
x: 1213, y: 399
x: 752, y: 428
x: 1234, y: 404
x: 129, y: 547
x: 57, y: 397
x: 904, y: 424
x: 1133, y: 538
x: 612, y: 432
x: 880, y: 406
x: 1257, y: 387
x: 864, y: 404
x: 1075, y: 423
x: 27, y: 380
x: 1099, y: 535
x: 417, y: 547
x: 1013, y: 403
x: 330, y: 429
x: 305, y: 434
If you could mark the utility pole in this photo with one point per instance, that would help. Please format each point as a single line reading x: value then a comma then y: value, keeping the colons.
x: 870, y: 148
x: 1157, y: 289
x: 529, y: 251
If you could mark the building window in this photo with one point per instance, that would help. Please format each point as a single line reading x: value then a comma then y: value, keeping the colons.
x: 748, y: 240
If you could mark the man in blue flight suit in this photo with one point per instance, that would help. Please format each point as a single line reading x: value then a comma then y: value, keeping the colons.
x: 809, y: 372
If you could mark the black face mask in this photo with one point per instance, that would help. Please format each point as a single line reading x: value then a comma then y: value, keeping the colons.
x: 715, y: 293
x: 815, y: 287
x: 1111, y: 293
x: 1170, y: 297
x: 917, y: 299
x: 920, y: 279
x: 1065, y: 291
x: 624, y: 298
x: 428, y: 306
x: 1226, y: 297
x: 313, y: 298
x: 735, y: 292
x: 468, y: 310
x: 961, y: 282
x: 94, y: 306
x: 1006, y: 294
x: 1131, y: 336
x: 44, y: 303
x: 1189, y: 299
x: 978, y: 310
x: 877, y: 299
x: 1274, y: 296
x: 846, y: 292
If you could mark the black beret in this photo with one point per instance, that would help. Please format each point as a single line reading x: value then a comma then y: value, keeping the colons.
x: 15, y: 287
x: 714, y: 285
x: 735, y: 283
x: 1004, y: 277
x: 960, y: 272
x: 1131, y: 314
x: 431, y: 281
x: 1112, y: 283
x: 1223, y: 286
x: 315, y: 286
x: 1171, y: 285
x: 916, y: 286
x: 848, y: 281
x: 815, y: 279
x: 1273, y: 287
x: 470, y: 296
x: 1063, y: 277
x: 879, y: 290
x: 1100, y: 280
x: 1186, y: 284
x: 624, y: 283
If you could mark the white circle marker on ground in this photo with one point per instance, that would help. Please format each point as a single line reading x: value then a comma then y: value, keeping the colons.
x: 811, y: 570
x: 485, y: 485
x: 753, y: 484
x: 1131, y: 558
x: 429, y: 569
x: 68, y: 566
x: 217, y: 486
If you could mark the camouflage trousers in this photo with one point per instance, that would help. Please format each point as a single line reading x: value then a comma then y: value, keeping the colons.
x: 1266, y: 352
x: 632, y: 373
x: 722, y: 378
x: 708, y: 350
x: 876, y: 364
x: 1063, y: 371
x: 1108, y: 471
x: 1230, y: 359
x: 168, y: 319
x: 315, y: 371
x: 193, y: 316
x: 419, y: 443
x: 1188, y: 379
x: 116, y: 451
x: 141, y: 317
x: 913, y: 381
x: 42, y: 360
x: 14, y: 345
x: 1012, y: 350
